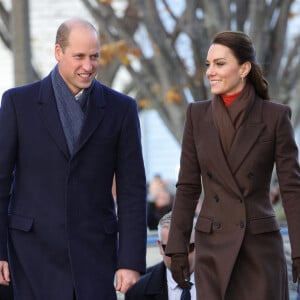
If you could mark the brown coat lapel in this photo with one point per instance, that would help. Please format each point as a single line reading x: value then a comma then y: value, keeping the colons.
x: 243, y: 142
x: 232, y: 226
x: 214, y: 153
x: 246, y: 137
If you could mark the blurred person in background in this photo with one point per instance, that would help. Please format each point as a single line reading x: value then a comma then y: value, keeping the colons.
x: 158, y: 282
x: 160, y: 200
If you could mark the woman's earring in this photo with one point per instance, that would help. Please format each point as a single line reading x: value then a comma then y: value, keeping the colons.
x: 242, y: 78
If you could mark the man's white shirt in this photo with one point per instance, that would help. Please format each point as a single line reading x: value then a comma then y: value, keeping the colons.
x: 174, y: 291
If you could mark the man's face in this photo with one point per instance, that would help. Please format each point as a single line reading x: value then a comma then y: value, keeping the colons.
x: 78, y: 63
x: 167, y: 259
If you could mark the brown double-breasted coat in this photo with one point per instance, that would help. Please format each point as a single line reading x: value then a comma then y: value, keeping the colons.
x: 239, y: 249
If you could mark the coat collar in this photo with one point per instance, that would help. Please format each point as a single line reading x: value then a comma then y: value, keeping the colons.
x: 94, y: 114
x: 50, y: 116
x: 157, y: 282
x: 246, y: 136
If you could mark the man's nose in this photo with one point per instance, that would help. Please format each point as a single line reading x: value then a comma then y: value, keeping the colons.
x: 87, y: 65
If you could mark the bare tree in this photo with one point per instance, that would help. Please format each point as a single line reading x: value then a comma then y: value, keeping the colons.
x: 15, y: 34
x: 162, y: 45
x: 20, y: 37
x: 4, y: 26
x: 168, y: 71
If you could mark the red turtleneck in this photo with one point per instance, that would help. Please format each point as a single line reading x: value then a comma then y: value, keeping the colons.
x: 228, y: 99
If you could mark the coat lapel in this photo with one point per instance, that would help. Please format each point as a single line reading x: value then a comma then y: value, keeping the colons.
x: 94, y: 115
x: 50, y: 117
x: 216, y: 157
x: 246, y: 136
x: 157, y: 284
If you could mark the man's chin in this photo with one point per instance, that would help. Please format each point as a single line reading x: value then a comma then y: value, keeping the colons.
x: 84, y: 85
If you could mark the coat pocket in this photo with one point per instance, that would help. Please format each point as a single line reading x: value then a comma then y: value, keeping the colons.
x: 20, y: 222
x: 204, y: 225
x: 263, y: 225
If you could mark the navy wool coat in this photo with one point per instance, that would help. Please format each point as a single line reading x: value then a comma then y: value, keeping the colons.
x: 64, y: 235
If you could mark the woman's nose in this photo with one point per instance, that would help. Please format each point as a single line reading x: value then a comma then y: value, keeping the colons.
x: 209, y: 71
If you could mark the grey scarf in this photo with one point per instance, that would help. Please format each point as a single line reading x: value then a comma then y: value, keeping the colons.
x: 71, y: 111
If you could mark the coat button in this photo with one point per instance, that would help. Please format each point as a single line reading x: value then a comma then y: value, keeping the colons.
x: 209, y: 174
x: 250, y: 175
x: 216, y: 197
x: 242, y: 224
x: 216, y: 225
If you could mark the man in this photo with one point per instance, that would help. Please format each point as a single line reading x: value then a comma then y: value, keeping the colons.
x: 62, y: 139
x: 158, y: 283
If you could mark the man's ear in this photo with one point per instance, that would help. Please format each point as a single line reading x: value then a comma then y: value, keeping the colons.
x: 58, y: 52
x: 160, y: 247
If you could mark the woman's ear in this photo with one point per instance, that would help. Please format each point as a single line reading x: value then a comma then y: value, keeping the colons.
x: 245, y: 69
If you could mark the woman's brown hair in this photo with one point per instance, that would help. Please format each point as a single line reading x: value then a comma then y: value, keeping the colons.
x: 242, y: 47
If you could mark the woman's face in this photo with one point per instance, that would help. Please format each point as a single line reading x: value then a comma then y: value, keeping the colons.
x: 224, y: 72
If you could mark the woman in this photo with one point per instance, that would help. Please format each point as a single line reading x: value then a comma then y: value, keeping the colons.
x: 230, y: 145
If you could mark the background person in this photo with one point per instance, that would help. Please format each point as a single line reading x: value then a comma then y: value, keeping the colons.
x: 160, y: 200
x: 158, y: 283
x: 62, y: 139
x: 230, y: 145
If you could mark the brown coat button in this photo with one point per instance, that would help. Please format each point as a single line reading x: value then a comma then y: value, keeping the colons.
x: 216, y: 225
x: 250, y: 175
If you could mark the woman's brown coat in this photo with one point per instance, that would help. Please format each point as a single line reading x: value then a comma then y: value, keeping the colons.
x: 239, y: 249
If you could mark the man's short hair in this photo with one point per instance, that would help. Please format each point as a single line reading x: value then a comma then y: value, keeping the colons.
x: 164, y: 222
x: 63, y: 31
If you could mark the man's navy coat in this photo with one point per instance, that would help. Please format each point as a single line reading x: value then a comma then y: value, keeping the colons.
x: 62, y: 224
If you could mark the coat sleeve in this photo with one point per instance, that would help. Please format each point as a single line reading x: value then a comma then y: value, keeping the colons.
x: 8, y: 150
x: 187, y: 193
x: 288, y: 172
x: 131, y: 194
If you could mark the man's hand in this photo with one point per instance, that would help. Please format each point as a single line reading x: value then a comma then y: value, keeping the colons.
x: 181, y: 270
x: 4, y: 273
x: 296, y: 269
x: 125, y: 278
